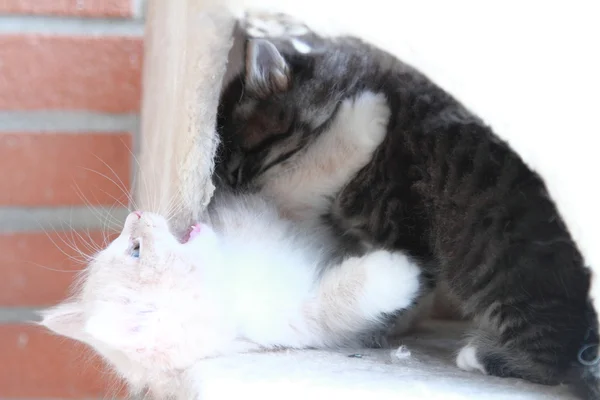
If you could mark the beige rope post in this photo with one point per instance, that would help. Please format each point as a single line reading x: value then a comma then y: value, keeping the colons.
x: 186, y: 49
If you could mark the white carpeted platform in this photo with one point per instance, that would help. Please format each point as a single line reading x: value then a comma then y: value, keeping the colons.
x: 427, y: 373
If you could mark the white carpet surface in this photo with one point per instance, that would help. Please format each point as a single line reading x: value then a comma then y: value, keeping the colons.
x: 427, y: 373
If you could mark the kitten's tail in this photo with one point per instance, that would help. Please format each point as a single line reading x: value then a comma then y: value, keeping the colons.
x: 586, y: 382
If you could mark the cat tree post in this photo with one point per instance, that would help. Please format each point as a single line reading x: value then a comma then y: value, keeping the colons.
x: 186, y: 48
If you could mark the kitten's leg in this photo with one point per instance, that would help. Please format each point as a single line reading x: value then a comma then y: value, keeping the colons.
x: 485, y: 353
x: 357, y: 296
x: 511, y: 341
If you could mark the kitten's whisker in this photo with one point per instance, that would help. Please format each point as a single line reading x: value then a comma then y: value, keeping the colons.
x: 108, y: 221
x: 105, y: 228
x: 126, y: 190
x: 88, y: 245
x: 117, y: 201
x: 91, y: 239
x: 175, y: 206
x: 71, y: 246
x: 127, y: 195
x: 54, y: 269
x: 143, y: 176
x: 104, y: 218
x: 86, y: 201
x: 133, y: 204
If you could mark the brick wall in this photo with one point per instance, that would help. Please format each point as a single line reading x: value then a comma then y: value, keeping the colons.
x: 70, y: 77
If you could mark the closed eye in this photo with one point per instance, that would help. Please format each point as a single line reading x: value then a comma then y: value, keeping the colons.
x: 232, y: 177
x: 235, y: 171
x: 134, y: 251
x: 235, y: 176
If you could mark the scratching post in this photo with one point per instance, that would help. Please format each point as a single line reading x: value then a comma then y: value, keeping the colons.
x: 186, y: 48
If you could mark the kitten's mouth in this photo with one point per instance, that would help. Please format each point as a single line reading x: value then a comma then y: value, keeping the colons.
x: 192, y: 233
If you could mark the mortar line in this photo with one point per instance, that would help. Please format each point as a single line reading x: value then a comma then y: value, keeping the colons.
x: 138, y: 9
x: 55, y: 25
x: 50, y: 219
x: 11, y: 315
x: 67, y: 121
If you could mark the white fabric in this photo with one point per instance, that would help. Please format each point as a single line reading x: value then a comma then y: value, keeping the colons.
x: 428, y: 373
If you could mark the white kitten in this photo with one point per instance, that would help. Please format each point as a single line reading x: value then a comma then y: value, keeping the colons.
x: 154, y: 306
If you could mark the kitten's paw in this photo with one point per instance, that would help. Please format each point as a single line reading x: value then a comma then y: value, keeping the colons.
x: 392, y: 284
x: 467, y: 360
x: 366, y: 117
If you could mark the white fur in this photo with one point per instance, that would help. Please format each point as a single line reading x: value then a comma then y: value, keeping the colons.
x: 467, y: 359
x: 392, y: 280
x: 300, y: 46
x: 358, y: 129
x: 249, y: 281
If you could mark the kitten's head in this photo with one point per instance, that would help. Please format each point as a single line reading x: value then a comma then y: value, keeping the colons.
x: 280, y: 103
x: 144, y: 302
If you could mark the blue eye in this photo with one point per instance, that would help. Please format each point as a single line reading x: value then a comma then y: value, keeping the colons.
x: 135, y: 250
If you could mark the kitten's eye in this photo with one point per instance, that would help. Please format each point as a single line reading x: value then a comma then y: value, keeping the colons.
x: 234, y: 178
x: 135, y: 249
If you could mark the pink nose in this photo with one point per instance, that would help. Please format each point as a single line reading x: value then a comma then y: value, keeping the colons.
x: 138, y: 213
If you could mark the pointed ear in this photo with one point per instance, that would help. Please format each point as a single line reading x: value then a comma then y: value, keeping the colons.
x: 66, y: 319
x: 267, y: 72
x: 123, y: 328
x: 134, y: 331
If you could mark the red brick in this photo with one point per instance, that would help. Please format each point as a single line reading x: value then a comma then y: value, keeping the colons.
x: 37, y: 364
x: 59, y: 169
x: 85, y: 8
x: 36, y: 269
x: 76, y: 73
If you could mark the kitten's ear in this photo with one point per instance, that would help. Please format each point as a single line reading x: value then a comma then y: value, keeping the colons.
x: 134, y: 331
x: 122, y: 328
x: 267, y: 72
x: 66, y: 319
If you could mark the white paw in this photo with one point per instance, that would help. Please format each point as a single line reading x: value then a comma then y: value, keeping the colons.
x: 467, y: 360
x: 366, y: 117
x: 392, y: 281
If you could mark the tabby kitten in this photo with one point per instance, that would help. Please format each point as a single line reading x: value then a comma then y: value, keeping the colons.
x: 440, y: 186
